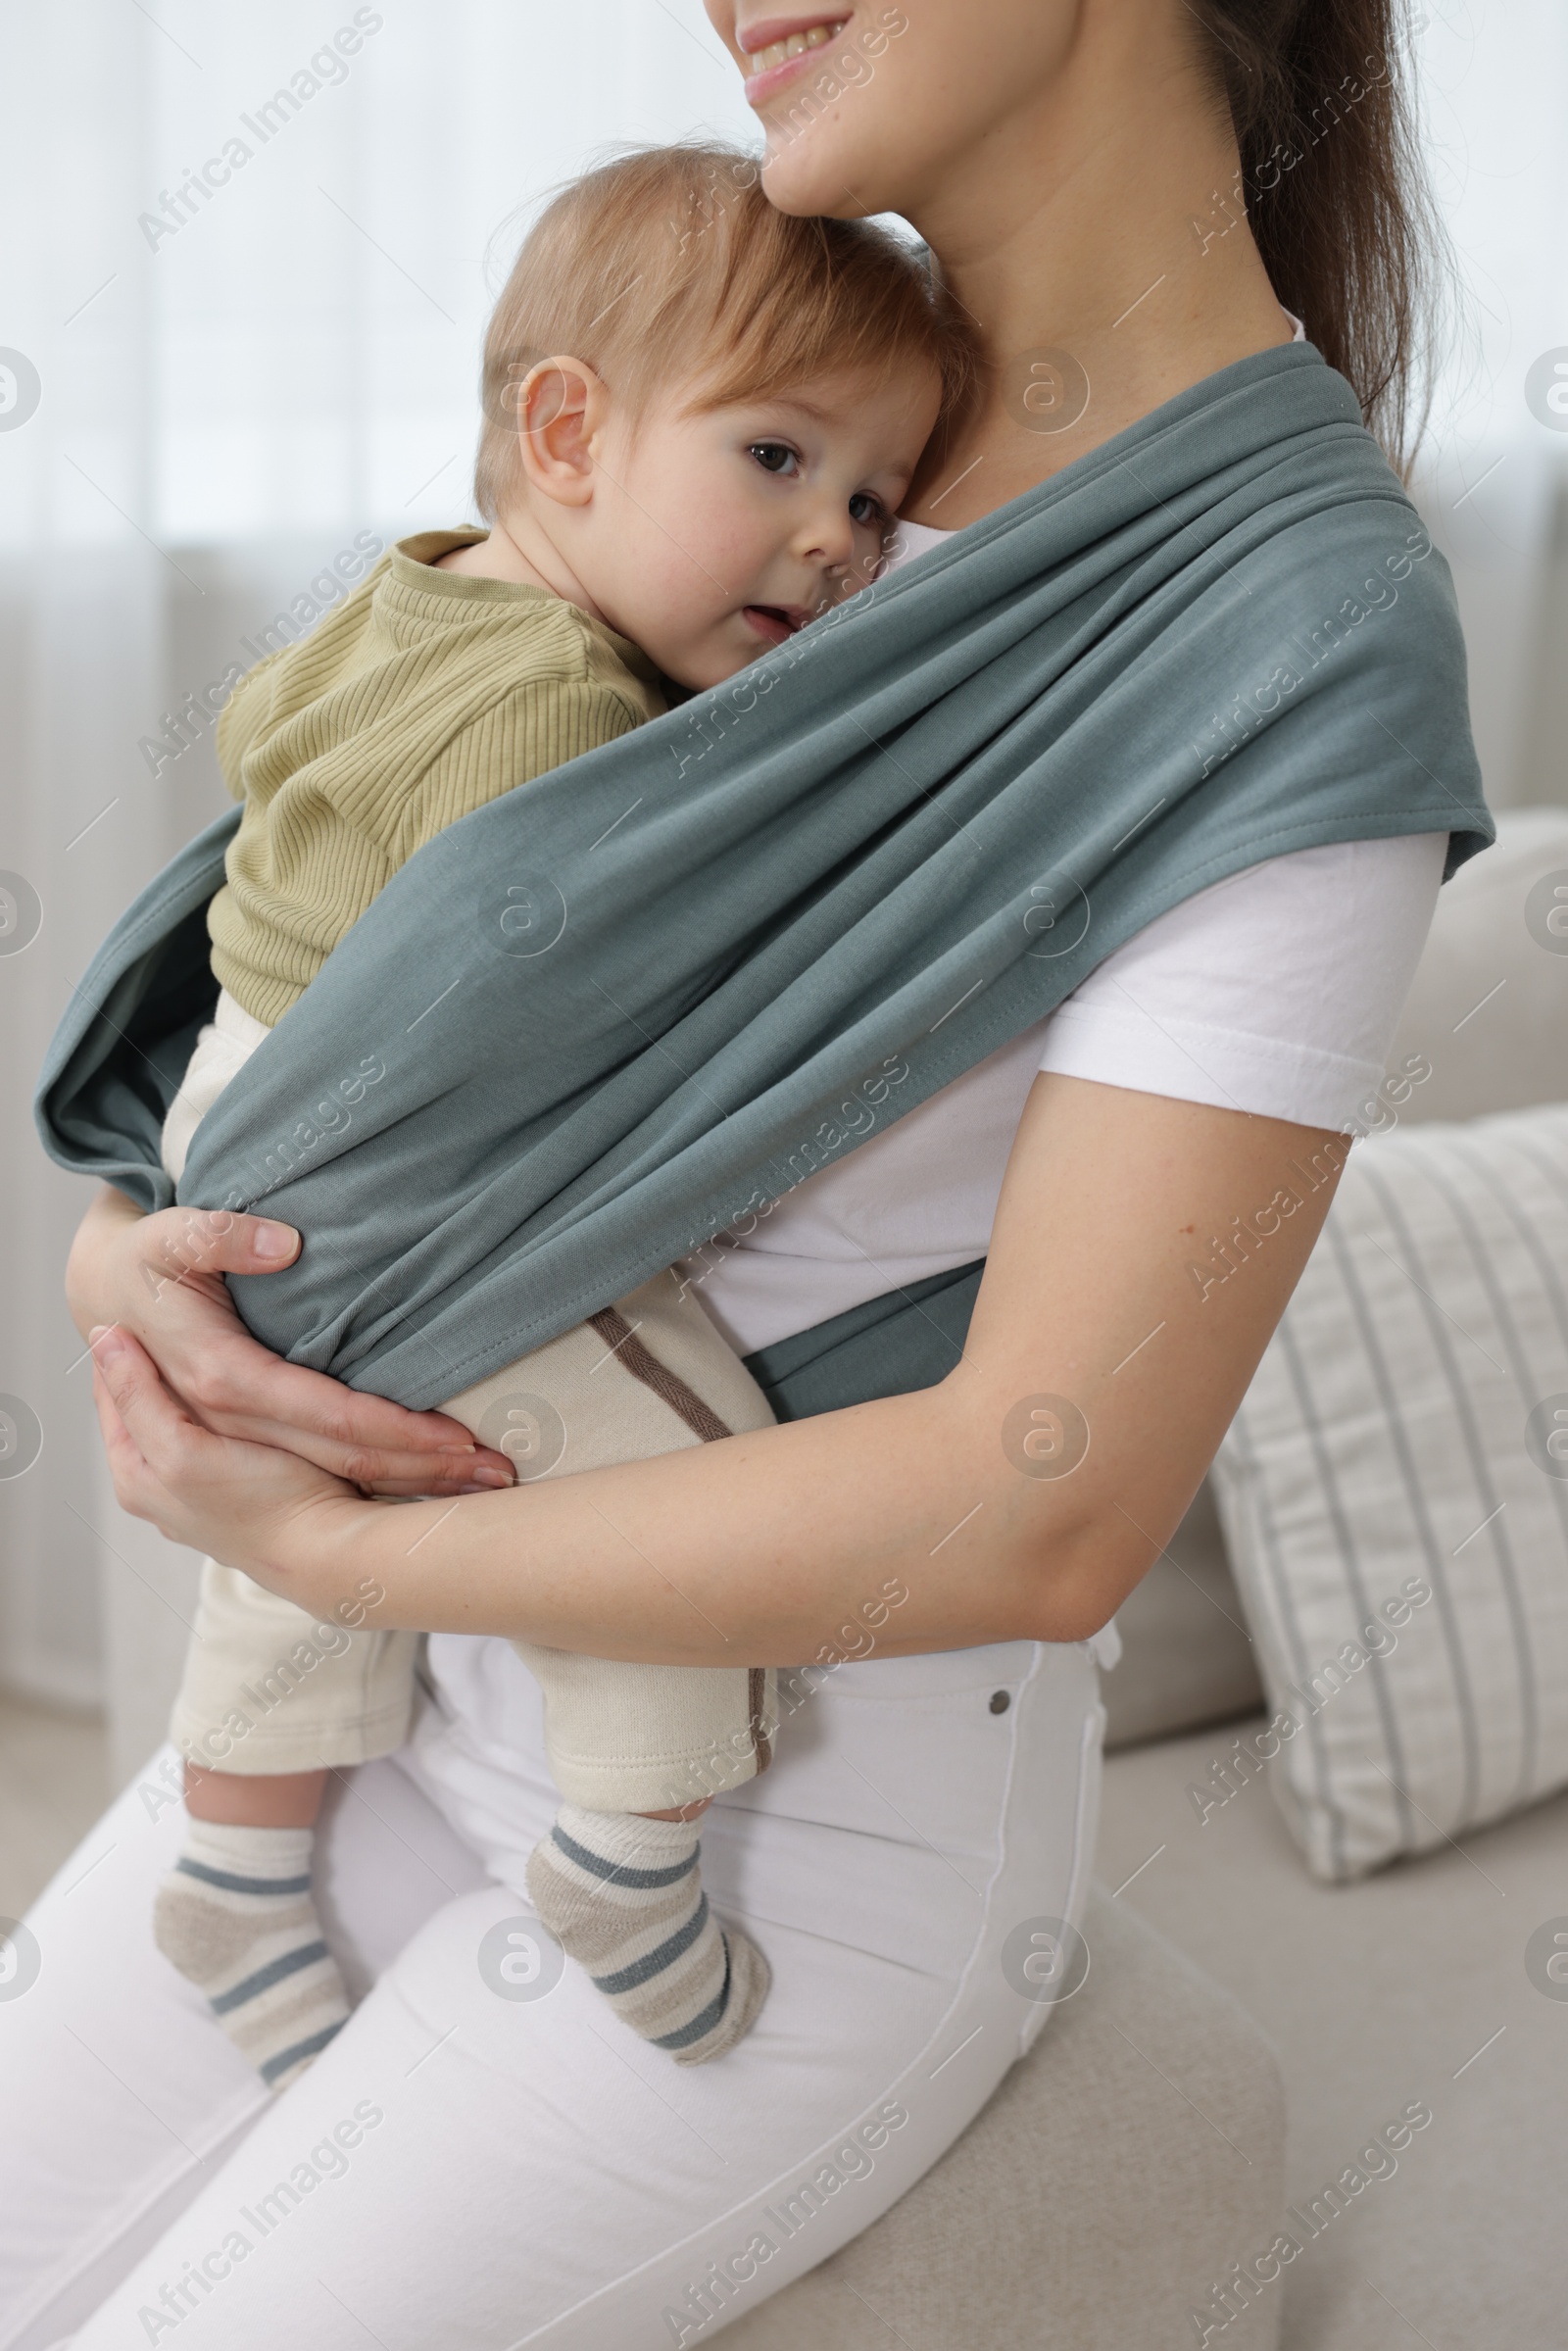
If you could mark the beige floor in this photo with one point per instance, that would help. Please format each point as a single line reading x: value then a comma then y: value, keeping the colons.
x: 54, y: 1782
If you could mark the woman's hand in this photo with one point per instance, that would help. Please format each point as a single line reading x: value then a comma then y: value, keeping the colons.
x: 252, y: 1506
x: 161, y: 1279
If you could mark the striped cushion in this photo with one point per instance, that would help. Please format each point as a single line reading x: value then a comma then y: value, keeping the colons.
x: 1389, y: 1487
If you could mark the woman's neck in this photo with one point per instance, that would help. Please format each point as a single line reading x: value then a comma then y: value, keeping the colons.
x: 1097, y: 240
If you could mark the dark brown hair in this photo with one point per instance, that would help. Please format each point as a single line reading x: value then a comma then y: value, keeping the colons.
x: 1334, y: 188
x: 668, y: 268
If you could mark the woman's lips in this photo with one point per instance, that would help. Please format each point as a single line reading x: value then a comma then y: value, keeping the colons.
x: 788, y: 55
x: 773, y: 623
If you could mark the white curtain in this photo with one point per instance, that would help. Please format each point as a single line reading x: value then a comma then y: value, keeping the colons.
x: 1494, y: 478
x: 208, y: 388
x: 250, y: 252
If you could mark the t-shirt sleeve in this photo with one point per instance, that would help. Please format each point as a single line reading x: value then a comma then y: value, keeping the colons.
x: 1276, y: 991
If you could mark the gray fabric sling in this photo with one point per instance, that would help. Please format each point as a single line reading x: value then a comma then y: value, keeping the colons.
x: 638, y: 1000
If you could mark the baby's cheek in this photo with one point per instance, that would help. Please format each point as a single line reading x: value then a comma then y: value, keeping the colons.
x: 656, y: 593
x: 693, y: 584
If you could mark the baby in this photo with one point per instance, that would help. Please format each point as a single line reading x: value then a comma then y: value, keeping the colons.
x: 701, y: 417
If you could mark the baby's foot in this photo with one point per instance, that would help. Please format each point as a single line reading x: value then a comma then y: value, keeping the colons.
x: 235, y: 1916
x: 622, y: 1895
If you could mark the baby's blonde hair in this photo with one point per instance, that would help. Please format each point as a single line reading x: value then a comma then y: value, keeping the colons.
x: 670, y: 265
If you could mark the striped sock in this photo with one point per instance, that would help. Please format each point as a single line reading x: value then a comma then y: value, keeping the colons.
x: 622, y: 1895
x: 235, y: 1916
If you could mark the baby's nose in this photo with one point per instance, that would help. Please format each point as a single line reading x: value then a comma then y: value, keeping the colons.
x: 831, y: 538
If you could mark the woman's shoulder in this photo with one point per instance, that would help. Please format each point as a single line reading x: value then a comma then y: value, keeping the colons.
x: 1276, y: 991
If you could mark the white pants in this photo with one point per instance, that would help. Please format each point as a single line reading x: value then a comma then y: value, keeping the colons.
x: 485, y: 2157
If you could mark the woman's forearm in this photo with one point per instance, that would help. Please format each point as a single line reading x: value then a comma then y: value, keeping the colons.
x: 879, y: 1527
x: 1021, y: 1499
x: 974, y: 1495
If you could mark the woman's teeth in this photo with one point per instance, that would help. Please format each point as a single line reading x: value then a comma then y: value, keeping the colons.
x: 779, y: 53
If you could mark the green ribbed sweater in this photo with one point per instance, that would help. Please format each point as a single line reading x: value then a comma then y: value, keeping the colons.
x: 421, y: 697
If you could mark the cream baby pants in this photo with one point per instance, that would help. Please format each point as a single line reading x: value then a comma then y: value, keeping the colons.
x: 269, y: 1688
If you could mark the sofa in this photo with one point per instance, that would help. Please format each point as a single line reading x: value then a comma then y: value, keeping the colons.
x: 1366, y: 2073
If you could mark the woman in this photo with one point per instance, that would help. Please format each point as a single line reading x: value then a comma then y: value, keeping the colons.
x: 477, y: 2159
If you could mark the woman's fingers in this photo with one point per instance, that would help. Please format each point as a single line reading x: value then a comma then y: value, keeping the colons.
x: 182, y: 1243
x: 243, y: 1390
x: 142, y: 1425
x: 118, y: 1444
x: 136, y: 1491
x: 146, y: 1412
x: 161, y: 1279
x: 247, y: 1391
x: 241, y: 1503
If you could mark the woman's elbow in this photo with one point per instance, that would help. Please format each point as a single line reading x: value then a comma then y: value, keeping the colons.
x: 1068, y: 1582
x: 1062, y: 1553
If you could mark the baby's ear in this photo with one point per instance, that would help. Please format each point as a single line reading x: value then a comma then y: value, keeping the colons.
x: 561, y: 404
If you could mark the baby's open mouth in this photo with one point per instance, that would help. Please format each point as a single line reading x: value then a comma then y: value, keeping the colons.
x: 776, y: 621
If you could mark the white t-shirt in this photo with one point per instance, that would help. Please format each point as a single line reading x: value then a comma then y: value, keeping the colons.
x: 1276, y: 991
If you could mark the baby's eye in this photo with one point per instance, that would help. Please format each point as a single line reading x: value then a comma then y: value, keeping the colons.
x: 866, y: 510
x: 776, y: 457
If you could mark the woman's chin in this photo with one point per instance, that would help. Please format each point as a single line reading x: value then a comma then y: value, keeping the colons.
x: 815, y: 175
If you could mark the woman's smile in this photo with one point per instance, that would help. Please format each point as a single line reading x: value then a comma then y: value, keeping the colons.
x: 779, y: 50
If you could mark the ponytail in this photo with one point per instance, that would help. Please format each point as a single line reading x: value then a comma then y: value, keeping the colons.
x: 1334, y: 188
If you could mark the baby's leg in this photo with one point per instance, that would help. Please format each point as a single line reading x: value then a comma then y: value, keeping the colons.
x: 234, y: 1915
x: 270, y: 1701
x: 638, y: 1751
x: 622, y: 1895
